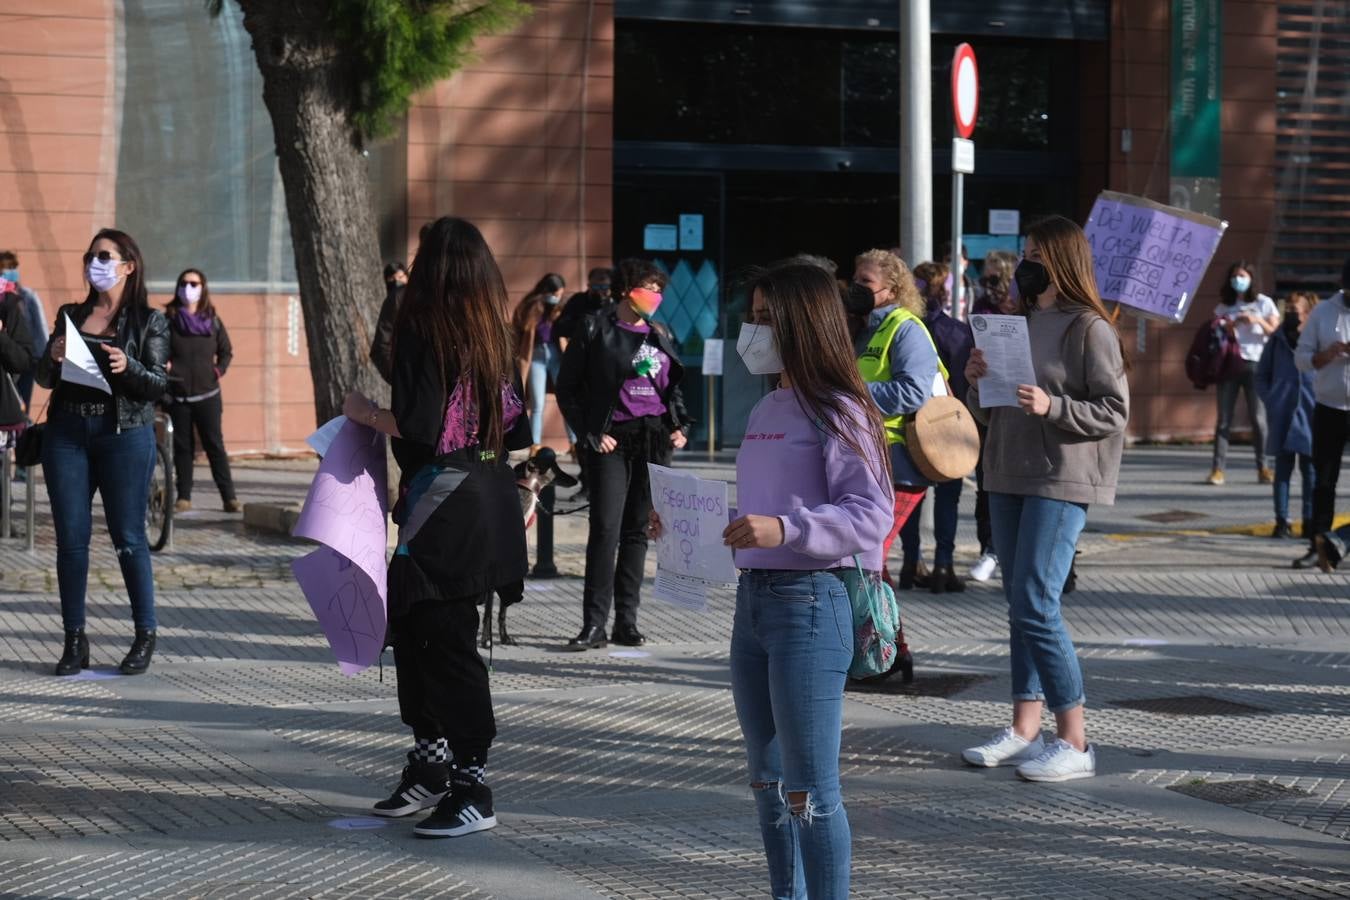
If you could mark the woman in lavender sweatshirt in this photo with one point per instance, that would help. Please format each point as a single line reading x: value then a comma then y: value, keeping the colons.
x: 814, y: 483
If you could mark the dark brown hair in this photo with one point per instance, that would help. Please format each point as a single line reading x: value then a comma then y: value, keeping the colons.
x: 134, y: 296
x: 632, y: 273
x: 204, y: 307
x: 532, y: 309
x: 1067, y: 257
x: 810, y: 327
x: 456, y: 300
x: 1226, y: 291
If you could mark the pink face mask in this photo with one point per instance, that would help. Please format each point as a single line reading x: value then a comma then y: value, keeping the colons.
x: 645, y: 302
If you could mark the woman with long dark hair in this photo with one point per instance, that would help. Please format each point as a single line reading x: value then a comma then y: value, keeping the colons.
x: 1251, y: 318
x: 619, y: 389
x: 455, y: 414
x: 538, y: 351
x: 96, y: 440
x: 814, y: 494
x: 199, y: 354
x: 1044, y: 462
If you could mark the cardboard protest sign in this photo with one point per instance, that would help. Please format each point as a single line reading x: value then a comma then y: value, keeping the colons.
x: 1148, y: 256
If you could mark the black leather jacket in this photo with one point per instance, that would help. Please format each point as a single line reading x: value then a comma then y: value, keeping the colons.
x: 597, y: 362
x: 143, y: 335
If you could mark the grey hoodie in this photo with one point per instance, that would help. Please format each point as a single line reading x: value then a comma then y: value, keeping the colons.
x: 1073, y: 452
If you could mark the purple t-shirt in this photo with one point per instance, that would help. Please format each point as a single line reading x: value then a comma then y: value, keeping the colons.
x: 641, y: 394
x: 543, y: 332
x: 832, y: 502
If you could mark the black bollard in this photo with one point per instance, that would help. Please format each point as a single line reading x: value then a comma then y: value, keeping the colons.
x: 543, y: 533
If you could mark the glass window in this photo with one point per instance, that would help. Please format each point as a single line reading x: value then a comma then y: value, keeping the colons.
x: 197, y: 180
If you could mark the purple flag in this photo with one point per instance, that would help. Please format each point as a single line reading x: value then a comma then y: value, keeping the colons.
x: 1148, y: 256
x: 345, y: 581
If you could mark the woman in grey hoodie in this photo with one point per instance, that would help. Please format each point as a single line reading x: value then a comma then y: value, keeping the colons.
x: 1045, y: 460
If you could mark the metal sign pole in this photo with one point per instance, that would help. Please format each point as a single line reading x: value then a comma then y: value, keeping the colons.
x: 958, y: 204
x: 712, y: 417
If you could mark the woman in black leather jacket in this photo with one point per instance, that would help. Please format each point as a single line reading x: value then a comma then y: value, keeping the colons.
x: 619, y: 390
x: 100, y: 435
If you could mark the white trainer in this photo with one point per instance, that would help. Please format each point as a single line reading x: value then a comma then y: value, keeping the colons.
x: 984, y: 567
x: 1060, y: 762
x: 1004, y: 749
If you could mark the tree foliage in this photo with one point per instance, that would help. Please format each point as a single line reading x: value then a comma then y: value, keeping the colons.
x: 391, y: 49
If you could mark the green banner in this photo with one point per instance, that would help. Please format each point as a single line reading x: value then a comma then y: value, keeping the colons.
x: 1197, y: 91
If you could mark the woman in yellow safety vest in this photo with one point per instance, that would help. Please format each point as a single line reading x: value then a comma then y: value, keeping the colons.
x: 899, y: 362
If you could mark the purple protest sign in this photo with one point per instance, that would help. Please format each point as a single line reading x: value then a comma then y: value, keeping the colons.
x: 347, y: 604
x: 345, y: 581
x: 1148, y: 256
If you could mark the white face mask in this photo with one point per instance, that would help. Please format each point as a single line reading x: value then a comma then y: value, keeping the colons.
x: 101, y: 275
x: 759, y: 350
x: 191, y: 294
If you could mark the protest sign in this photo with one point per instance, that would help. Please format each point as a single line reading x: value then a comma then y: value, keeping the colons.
x: 1148, y: 256
x: 345, y: 581
x: 690, y: 555
x: 79, y: 365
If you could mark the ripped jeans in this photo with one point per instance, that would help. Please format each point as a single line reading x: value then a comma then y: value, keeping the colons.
x: 791, y: 646
x: 79, y: 456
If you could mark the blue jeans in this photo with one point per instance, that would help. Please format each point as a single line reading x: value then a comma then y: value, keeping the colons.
x: 1036, y: 538
x: 791, y: 646
x: 947, y: 500
x: 81, y: 455
x: 1284, y: 473
x: 544, y: 364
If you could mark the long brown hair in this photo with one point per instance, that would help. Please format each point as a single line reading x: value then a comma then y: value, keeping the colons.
x: 532, y: 310
x: 204, y: 307
x: 456, y: 301
x: 1067, y: 256
x: 810, y: 327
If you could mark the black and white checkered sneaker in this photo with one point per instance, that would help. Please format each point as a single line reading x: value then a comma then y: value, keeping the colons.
x: 421, y: 787
x: 468, y: 808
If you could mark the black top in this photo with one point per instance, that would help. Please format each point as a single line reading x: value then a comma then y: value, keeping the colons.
x: 16, y: 354
x: 420, y: 395
x: 197, y: 360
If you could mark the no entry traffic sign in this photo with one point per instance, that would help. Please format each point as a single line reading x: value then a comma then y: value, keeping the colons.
x: 965, y: 89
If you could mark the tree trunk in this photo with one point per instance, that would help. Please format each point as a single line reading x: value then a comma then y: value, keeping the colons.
x: 323, y: 170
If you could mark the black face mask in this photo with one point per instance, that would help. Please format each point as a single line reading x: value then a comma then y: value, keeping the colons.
x: 859, y: 301
x: 1032, y: 279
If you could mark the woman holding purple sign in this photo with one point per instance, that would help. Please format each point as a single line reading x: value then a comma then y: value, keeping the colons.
x: 814, y: 485
x: 455, y: 414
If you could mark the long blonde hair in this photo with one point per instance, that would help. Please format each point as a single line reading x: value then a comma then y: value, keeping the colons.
x: 1067, y: 257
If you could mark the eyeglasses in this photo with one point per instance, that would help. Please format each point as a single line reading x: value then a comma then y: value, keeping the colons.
x: 101, y: 256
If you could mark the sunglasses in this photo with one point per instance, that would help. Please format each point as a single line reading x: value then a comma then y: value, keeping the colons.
x: 101, y: 256
x: 192, y: 283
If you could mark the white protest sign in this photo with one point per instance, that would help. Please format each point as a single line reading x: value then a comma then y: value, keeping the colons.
x: 79, y: 365
x: 712, y: 356
x: 1006, y: 346
x: 690, y: 555
x: 322, y: 439
x: 1148, y: 256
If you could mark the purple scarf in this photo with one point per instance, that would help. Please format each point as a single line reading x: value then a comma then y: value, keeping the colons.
x: 193, y: 324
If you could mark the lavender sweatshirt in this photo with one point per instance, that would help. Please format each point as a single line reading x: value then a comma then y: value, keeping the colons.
x: 832, y: 502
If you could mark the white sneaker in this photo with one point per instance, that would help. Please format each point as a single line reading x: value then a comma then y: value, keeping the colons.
x: 1060, y: 762
x: 1004, y: 749
x: 984, y: 567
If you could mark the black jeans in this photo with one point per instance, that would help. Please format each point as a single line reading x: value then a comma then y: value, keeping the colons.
x: 1331, y: 432
x: 442, y: 682
x: 204, y: 415
x: 621, y: 499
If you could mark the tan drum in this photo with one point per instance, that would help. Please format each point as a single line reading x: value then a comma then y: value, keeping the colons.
x: 942, y: 439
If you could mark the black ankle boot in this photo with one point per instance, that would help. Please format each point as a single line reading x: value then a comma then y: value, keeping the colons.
x: 503, y: 636
x: 75, y: 654
x: 1282, y: 529
x: 138, y: 657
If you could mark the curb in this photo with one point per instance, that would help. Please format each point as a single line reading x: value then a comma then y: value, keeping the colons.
x: 274, y: 518
x: 1254, y: 529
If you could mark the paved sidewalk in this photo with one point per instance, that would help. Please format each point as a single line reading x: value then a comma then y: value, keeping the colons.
x: 242, y: 764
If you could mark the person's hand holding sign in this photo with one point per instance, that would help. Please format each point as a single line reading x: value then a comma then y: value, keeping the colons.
x: 1033, y: 400
x: 750, y: 532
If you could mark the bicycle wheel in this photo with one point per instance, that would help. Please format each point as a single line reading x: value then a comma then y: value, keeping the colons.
x: 159, y: 511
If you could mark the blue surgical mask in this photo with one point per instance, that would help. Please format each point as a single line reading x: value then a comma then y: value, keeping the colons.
x: 1240, y: 283
x: 10, y: 275
x: 552, y: 299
